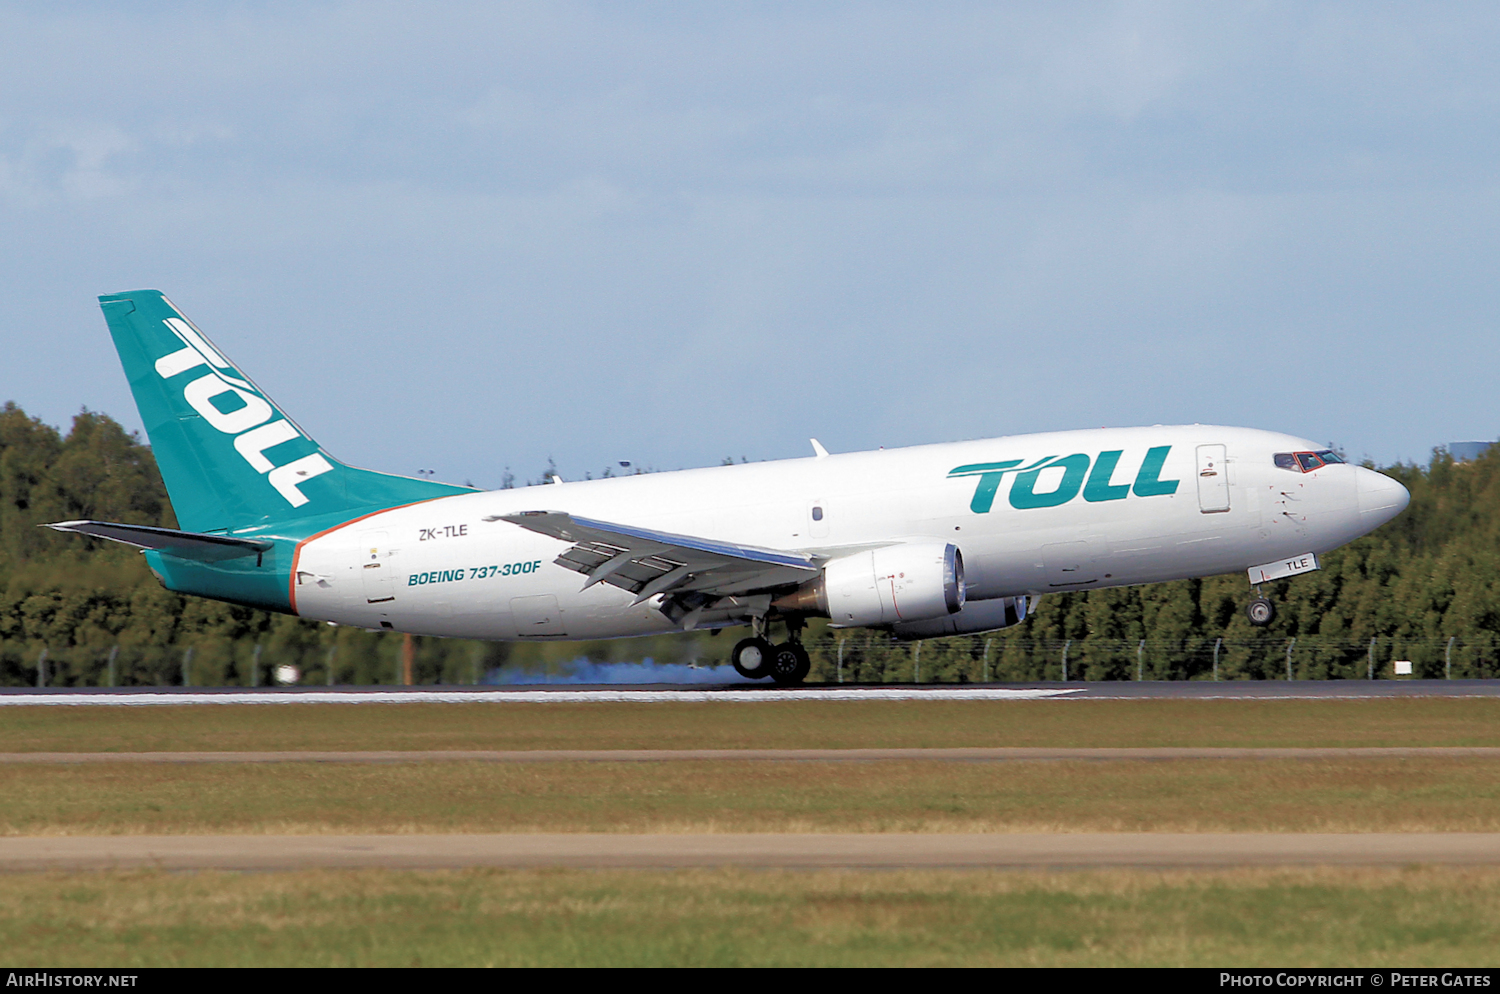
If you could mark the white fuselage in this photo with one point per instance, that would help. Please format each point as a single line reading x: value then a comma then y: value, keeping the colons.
x: 448, y: 568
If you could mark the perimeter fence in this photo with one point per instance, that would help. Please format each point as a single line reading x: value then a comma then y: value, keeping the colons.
x: 856, y: 657
x: 862, y: 658
x: 210, y: 662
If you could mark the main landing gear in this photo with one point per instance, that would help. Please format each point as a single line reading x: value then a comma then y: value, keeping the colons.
x: 752, y: 658
x: 755, y: 658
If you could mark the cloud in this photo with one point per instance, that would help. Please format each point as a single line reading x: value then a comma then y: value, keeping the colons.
x: 67, y: 161
x: 679, y: 233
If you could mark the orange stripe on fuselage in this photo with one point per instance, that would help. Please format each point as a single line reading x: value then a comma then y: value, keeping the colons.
x: 297, y: 552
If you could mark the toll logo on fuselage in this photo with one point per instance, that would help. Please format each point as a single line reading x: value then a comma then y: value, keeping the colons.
x: 1080, y: 474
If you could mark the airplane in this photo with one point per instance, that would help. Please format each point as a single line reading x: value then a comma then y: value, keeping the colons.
x: 920, y: 542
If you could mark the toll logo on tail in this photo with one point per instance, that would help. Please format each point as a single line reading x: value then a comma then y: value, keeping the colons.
x: 228, y: 453
x: 231, y: 405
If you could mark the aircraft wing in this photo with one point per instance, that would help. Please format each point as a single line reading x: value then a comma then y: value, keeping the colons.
x: 646, y: 562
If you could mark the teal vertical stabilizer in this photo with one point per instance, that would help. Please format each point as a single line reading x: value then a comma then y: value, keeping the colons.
x: 231, y: 459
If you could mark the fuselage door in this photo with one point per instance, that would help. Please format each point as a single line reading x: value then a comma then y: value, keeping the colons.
x: 817, y: 519
x: 1213, y: 479
x: 375, y: 567
x: 537, y: 615
x: 1072, y: 564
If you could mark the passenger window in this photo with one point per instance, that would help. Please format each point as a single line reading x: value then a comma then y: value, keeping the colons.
x: 1309, y: 461
x: 817, y: 514
x: 1284, y: 460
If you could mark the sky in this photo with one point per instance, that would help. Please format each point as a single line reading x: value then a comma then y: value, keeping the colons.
x: 466, y: 237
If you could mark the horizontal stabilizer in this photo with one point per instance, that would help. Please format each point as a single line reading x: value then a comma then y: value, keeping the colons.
x: 188, y: 545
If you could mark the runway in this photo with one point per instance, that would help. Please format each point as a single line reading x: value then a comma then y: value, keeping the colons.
x: 960, y: 755
x: 733, y: 694
x: 1028, y: 851
x: 752, y: 694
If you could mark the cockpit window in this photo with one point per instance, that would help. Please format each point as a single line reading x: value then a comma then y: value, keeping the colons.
x: 1306, y: 462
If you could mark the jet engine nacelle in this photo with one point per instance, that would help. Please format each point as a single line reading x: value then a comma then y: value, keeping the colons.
x: 913, y: 581
x: 976, y: 616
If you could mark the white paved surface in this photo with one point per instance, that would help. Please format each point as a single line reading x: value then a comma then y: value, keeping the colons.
x: 269, y: 852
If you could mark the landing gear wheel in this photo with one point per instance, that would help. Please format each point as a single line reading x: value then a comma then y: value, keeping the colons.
x: 1261, y: 612
x: 789, y: 664
x: 752, y: 658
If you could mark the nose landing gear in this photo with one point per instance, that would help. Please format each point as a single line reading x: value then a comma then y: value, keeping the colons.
x: 1260, y: 611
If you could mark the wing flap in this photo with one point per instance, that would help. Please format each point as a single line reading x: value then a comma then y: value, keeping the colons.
x: 645, y: 562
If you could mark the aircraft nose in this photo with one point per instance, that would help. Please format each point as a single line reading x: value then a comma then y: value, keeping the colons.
x: 1380, y: 497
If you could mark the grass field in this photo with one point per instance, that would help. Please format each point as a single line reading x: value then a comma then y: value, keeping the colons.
x: 1381, y: 795
x: 811, y: 724
x: 1419, y: 917
x: 1422, y: 916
